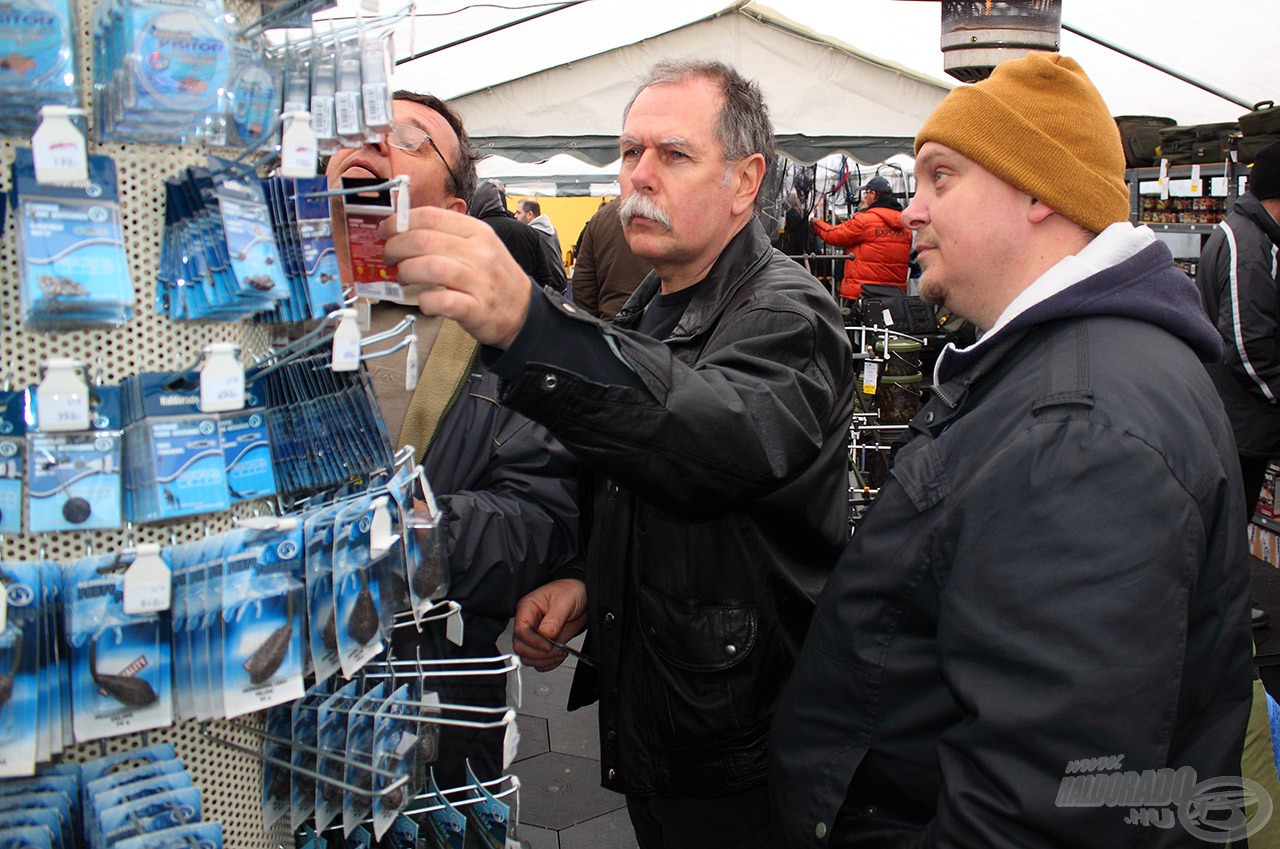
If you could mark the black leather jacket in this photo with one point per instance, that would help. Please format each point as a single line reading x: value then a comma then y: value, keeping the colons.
x: 719, y: 507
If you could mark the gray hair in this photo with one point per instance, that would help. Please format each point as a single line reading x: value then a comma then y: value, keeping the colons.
x: 742, y: 127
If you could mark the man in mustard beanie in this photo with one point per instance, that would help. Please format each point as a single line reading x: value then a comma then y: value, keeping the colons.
x: 1043, y: 620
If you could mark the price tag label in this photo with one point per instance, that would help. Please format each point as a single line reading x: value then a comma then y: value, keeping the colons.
x: 453, y: 626
x: 401, y: 196
x: 298, y: 149
x: 870, y: 377
x: 147, y: 582
x: 58, y: 149
x: 510, y: 743
x: 380, y: 536
x: 1163, y: 181
x: 1196, y: 188
x: 62, y: 398
x: 515, y: 687
x: 221, y: 382
x: 888, y: 318
x: 346, y: 343
x: 364, y: 314
x: 411, y: 369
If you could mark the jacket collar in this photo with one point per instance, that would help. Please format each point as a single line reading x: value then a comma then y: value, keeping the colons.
x: 1248, y: 205
x: 746, y: 253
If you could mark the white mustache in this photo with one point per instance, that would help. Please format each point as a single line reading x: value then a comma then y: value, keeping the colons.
x: 645, y: 207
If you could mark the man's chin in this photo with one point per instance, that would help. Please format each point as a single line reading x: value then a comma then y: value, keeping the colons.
x: 933, y: 294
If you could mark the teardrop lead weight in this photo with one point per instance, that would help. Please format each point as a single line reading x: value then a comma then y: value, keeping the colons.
x: 129, y: 691
x: 266, y: 658
x: 363, y: 625
x: 6, y: 680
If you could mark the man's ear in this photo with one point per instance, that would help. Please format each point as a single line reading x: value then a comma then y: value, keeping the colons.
x: 748, y: 175
x: 456, y: 204
x: 1038, y: 211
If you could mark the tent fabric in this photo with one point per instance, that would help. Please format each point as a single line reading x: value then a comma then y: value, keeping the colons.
x: 824, y: 96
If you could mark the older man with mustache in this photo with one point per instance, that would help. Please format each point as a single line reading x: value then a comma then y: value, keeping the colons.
x: 713, y: 416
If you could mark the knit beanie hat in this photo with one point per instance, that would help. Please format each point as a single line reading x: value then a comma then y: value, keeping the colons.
x: 1039, y: 124
x: 1264, y: 176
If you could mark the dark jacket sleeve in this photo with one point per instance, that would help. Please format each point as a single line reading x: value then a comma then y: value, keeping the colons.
x: 709, y: 439
x: 509, y: 502
x: 1042, y: 645
x: 586, y: 288
x: 1239, y: 264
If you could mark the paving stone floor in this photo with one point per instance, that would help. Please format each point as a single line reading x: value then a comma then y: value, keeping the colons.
x: 562, y: 805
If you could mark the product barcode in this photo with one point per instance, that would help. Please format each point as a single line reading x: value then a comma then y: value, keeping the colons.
x: 375, y: 104
x: 347, y: 105
x: 322, y: 117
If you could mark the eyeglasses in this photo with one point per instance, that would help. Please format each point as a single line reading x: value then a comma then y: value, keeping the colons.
x: 410, y: 138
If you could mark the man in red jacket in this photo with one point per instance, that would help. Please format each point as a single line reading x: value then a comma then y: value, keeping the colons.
x: 883, y: 244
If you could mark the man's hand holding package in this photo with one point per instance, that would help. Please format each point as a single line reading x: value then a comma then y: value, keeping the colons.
x: 481, y: 286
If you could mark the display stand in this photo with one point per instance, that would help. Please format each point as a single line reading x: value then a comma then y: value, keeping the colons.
x: 231, y: 782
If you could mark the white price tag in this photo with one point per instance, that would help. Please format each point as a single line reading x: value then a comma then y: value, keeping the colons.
x: 400, y: 198
x: 1163, y: 181
x: 364, y: 314
x: 147, y: 582
x: 346, y: 343
x: 58, y: 148
x: 1196, y: 188
x: 515, y: 687
x: 380, y: 536
x: 221, y: 380
x: 870, y: 377
x: 62, y: 398
x: 298, y: 149
x: 411, y: 369
x: 510, y: 744
x: 888, y: 318
x: 453, y: 626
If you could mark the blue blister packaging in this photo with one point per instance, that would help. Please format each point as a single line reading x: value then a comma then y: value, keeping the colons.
x: 175, y: 456
x: 319, y: 257
x: 250, y: 242
x: 302, y: 788
x: 20, y: 659
x: 75, y: 271
x: 26, y: 837
x: 358, y: 839
x: 13, y: 470
x: 331, y: 732
x: 74, y: 479
x: 204, y: 835
x: 403, y: 834
x: 446, y: 825
x: 275, y: 777
x: 322, y: 624
x: 129, y: 785
x: 45, y: 810
x: 395, y: 748
x: 38, y: 40
x: 359, y: 752
x: 488, y: 818
x: 263, y: 603
x: 153, y: 813
x: 253, y: 94
x: 121, y: 678
x: 364, y: 614
x: 246, y: 449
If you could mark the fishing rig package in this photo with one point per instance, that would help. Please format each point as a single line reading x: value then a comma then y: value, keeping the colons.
x: 74, y: 477
x: 24, y: 666
x: 158, y: 69
x: 38, y: 61
x: 13, y: 431
x: 75, y: 272
x: 120, y: 662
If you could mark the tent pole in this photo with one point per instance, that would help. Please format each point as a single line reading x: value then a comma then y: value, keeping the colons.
x: 1151, y: 63
x: 567, y: 5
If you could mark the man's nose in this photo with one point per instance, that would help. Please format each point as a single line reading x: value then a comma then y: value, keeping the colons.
x: 380, y: 144
x: 915, y: 215
x: 643, y: 175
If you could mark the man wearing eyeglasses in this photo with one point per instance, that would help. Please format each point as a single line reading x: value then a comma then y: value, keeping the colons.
x: 507, y: 489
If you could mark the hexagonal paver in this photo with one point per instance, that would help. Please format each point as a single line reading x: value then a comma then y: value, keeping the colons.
x: 534, y: 739
x: 546, y: 693
x: 532, y: 837
x: 576, y: 733
x: 610, y: 831
x: 558, y: 791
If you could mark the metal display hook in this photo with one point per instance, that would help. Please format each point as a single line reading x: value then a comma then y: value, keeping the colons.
x: 505, y: 715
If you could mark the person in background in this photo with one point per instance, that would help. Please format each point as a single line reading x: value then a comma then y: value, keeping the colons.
x: 607, y: 271
x: 879, y: 246
x: 506, y: 487
x: 712, y: 416
x: 796, y: 234
x: 1054, y: 572
x: 524, y: 243
x: 1239, y: 282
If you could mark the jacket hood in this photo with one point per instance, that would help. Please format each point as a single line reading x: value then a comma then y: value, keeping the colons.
x: 1125, y: 271
x: 543, y: 225
x: 487, y: 201
x: 1249, y: 206
x: 886, y: 202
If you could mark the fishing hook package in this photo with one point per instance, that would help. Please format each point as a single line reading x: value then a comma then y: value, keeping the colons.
x: 246, y: 449
x: 13, y: 430
x: 75, y: 272
x: 74, y: 477
x: 38, y: 62
x: 20, y: 667
x: 120, y: 675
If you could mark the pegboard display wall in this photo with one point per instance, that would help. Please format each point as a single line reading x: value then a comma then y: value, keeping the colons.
x: 231, y: 782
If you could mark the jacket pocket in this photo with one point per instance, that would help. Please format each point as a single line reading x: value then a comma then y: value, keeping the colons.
x: 695, y: 636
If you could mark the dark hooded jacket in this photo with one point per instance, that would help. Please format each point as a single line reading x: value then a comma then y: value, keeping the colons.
x: 522, y: 241
x: 1055, y: 571
x: 1239, y: 280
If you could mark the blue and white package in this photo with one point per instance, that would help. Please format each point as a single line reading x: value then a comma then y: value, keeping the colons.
x: 38, y: 41
x: 250, y: 241
x: 152, y: 813
x: 19, y: 661
x: 364, y: 616
x: 253, y: 94
x: 203, y: 835
x: 73, y: 479
x: 302, y: 790
x: 446, y: 825
x: 358, y: 839
x: 322, y: 624
x: 121, y: 680
x: 275, y: 778
x: 13, y: 430
x: 75, y: 272
x: 26, y: 837
x: 262, y: 608
x: 319, y: 257
x: 246, y: 449
x: 488, y: 818
x: 176, y: 464
x: 45, y: 808
x: 395, y: 748
x: 359, y: 752
x: 129, y: 786
x: 331, y: 732
x: 403, y: 834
